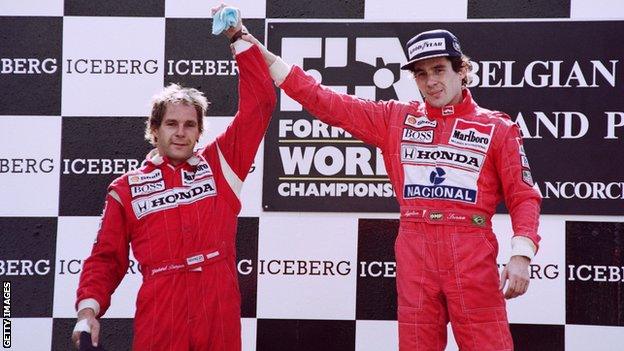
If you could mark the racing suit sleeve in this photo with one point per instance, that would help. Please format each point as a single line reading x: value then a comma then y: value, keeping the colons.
x: 365, y: 119
x: 106, y: 267
x: 522, y: 196
x: 238, y: 145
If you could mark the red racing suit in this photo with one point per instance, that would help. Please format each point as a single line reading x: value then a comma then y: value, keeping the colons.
x: 181, y: 222
x: 449, y: 167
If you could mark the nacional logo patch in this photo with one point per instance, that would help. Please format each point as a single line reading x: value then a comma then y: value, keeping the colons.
x: 174, y: 197
x: 145, y: 177
x: 472, y: 135
x: 148, y: 188
x: 440, y: 183
x: 419, y: 122
x: 418, y: 136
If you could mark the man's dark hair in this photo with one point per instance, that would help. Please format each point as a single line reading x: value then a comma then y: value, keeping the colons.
x: 461, y: 62
x: 457, y: 63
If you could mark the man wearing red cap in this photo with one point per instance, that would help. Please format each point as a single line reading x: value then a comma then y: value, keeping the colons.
x: 450, y: 163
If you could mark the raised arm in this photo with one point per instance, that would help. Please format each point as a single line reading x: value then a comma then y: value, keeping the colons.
x: 366, y: 120
x: 239, y: 143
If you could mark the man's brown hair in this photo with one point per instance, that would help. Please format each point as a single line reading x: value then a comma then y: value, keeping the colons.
x: 175, y: 94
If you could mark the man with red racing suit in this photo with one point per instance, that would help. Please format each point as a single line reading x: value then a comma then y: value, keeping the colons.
x: 450, y: 162
x: 179, y: 213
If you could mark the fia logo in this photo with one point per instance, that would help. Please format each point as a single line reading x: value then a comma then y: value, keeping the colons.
x: 377, y: 58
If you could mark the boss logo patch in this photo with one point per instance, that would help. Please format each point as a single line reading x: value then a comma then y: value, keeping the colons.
x: 418, y: 136
x: 148, y: 188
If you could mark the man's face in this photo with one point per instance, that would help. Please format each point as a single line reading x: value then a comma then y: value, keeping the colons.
x: 178, y: 132
x: 437, y: 81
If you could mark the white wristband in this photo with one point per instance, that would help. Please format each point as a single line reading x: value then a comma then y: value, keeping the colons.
x: 522, y: 246
x: 279, y: 70
x: 82, y: 326
x: 241, y: 45
x: 90, y: 303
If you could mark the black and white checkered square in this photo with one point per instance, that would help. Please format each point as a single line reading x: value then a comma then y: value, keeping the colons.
x: 31, y: 66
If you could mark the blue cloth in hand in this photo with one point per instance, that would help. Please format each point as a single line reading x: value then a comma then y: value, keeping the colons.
x: 226, y: 17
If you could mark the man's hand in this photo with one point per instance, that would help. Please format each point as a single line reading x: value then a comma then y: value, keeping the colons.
x: 269, y: 57
x: 229, y: 32
x: 517, y: 272
x: 216, y: 9
x: 87, y: 315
